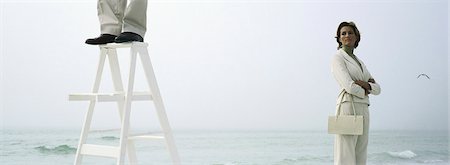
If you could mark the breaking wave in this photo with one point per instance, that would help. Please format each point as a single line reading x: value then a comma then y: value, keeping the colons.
x: 61, y: 149
x: 109, y: 138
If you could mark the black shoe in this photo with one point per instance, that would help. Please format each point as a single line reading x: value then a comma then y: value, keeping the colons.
x: 128, y: 37
x: 103, y: 39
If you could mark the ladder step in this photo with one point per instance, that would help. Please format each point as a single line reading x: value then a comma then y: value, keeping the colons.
x: 145, y: 136
x: 106, y: 97
x: 99, y: 150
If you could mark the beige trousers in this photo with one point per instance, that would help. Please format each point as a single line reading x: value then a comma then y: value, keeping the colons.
x: 352, y: 149
x: 114, y: 19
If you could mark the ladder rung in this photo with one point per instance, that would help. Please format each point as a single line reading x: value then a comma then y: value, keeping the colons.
x: 98, y: 150
x: 145, y: 136
x: 142, y: 96
x: 104, y: 97
x: 100, y: 97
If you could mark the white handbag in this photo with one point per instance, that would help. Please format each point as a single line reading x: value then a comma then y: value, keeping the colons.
x: 345, y: 124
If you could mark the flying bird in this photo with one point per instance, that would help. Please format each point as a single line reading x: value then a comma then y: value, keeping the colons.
x: 423, y: 75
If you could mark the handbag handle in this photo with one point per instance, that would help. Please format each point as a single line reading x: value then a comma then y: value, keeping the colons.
x: 340, y: 102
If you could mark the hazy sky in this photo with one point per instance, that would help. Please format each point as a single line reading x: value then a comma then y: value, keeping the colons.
x: 229, y: 64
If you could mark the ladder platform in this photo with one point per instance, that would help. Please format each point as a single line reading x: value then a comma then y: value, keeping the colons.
x: 146, y: 136
x: 108, y: 97
x: 124, y: 45
x: 100, y: 150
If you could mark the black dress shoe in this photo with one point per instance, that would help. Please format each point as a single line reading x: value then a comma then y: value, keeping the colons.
x: 128, y: 37
x: 103, y: 39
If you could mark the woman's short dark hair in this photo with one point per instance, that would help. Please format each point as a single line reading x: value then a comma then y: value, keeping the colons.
x: 355, y: 29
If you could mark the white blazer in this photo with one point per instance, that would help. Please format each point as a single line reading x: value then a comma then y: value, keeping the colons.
x: 346, y: 71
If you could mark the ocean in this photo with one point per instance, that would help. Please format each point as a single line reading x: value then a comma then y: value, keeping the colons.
x: 58, y: 147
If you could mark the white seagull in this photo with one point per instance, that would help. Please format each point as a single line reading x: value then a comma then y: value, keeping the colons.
x: 423, y: 75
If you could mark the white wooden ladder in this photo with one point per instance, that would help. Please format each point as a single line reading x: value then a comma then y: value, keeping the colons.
x: 123, y: 99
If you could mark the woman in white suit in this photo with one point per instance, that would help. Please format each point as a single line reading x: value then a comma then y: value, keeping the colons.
x: 356, y: 84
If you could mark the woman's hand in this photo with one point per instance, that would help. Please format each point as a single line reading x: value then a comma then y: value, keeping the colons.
x: 365, y: 85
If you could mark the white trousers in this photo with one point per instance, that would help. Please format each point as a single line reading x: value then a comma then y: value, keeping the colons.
x: 114, y: 19
x: 352, y: 149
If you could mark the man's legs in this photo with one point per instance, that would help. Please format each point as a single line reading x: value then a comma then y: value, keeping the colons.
x: 135, y: 19
x: 134, y: 22
x: 113, y: 17
x: 110, y: 15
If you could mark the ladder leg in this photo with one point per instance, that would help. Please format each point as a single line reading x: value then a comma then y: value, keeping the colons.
x: 118, y: 87
x: 115, y: 70
x: 131, y: 149
x: 84, y: 132
x: 116, y: 77
x: 151, y: 79
x: 90, y: 112
x: 127, y: 108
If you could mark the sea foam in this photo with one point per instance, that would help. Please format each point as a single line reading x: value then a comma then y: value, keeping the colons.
x: 432, y: 161
x: 403, y: 154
